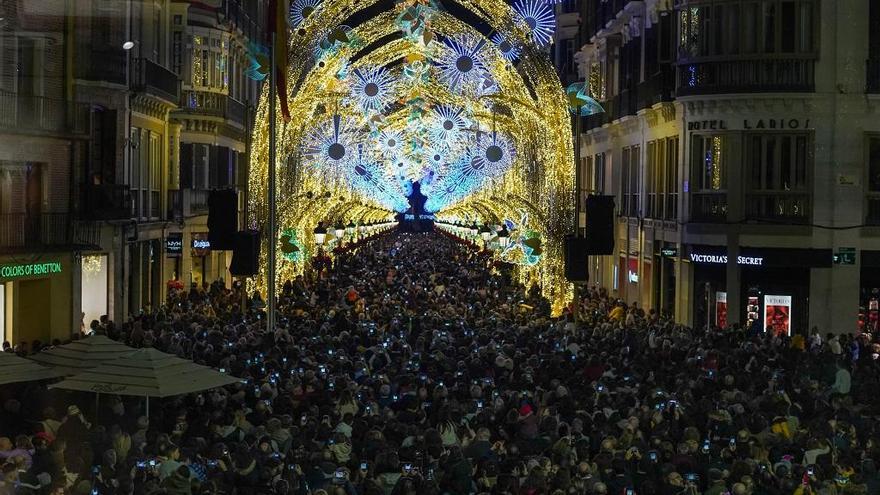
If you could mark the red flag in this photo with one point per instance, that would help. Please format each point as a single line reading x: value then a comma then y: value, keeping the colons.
x: 278, y: 25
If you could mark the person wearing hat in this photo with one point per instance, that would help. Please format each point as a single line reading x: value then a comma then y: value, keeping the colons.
x: 74, y: 428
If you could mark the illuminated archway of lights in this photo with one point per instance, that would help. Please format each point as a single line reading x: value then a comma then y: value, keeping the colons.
x: 478, y: 116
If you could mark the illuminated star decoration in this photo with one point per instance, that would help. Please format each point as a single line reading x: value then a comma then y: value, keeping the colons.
x: 331, y: 143
x: 538, y: 16
x: 448, y: 125
x: 373, y: 88
x: 580, y: 102
x: 508, y: 49
x: 291, y: 247
x: 461, y: 66
x: 300, y: 10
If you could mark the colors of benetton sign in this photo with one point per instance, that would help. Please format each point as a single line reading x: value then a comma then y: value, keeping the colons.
x: 30, y: 270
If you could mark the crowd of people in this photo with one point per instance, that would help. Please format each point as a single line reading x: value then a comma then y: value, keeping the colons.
x: 415, y: 365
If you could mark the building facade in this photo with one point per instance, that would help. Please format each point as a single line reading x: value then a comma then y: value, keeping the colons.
x: 739, y: 140
x: 109, y: 144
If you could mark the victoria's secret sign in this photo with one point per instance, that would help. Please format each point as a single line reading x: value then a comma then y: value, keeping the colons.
x: 750, y: 124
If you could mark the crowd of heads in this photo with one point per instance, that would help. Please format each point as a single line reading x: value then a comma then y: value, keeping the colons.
x: 417, y: 365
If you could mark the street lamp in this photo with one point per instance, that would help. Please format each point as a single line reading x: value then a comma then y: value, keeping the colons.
x: 320, y: 234
x: 485, y: 233
x: 349, y: 229
x: 503, y: 237
x: 339, y: 230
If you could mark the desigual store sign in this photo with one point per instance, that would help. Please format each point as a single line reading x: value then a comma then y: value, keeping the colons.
x: 25, y: 270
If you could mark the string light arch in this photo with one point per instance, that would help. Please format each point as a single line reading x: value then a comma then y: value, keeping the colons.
x: 535, y: 121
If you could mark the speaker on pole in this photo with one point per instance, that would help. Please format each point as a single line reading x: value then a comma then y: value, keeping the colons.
x: 246, y: 254
x: 222, y: 219
x: 600, y: 225
x: 576, y: 259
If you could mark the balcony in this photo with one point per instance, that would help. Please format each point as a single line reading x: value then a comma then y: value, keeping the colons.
x: 36, y: 113
x: 214, y: 105
x: 20, y: 230
x: 657, y: 88
x: 187, y: 203
x: 795, y: 75
x: 105, y: 202
x: 710, y: 207
x: 778, y: 206
x: 153, y: 79
x: 105, y: 64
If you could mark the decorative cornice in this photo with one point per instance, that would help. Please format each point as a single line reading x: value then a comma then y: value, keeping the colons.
x: 715, y: 105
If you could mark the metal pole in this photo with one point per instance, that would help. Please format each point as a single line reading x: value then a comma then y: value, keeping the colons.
x: 577, y: 200
x: 270, y: 316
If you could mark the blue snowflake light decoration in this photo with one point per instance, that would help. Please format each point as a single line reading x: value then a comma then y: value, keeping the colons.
x: 448, y: 125
x: 508, y: 49
x: 538, y: 16
x: 332, y: 143
x: 373, y: 88
x: 300, y: 10
x: 492, y: 155
x: 390, y: 143
x: 461, y: 64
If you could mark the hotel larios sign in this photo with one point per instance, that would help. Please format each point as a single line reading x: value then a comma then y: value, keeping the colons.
x: 750, y: 124
x: 22, y: 270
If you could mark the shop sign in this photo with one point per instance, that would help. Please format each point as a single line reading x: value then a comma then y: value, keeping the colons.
x: 201, y: 246
x: 669, y: 252
x: 777, y: 314
x: 845, y: 256
x: 721, y: 309
x: 706, y: 125
x: 174, y: 245
x: 749, y: 124
x: 776, y: 124
x: 632, y: 272
x: 721, y: 259
x: 21, y: 270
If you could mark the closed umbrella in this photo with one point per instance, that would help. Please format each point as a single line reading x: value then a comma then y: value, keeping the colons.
x: 82, y: 354
x: 147, y: 373
x: 14, y: 369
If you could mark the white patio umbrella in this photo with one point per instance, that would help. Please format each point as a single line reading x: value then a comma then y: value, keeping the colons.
x: 82, y: 354
x: 14, y: 369
x: 147, y: 373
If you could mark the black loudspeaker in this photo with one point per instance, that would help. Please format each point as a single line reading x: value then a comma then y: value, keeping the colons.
x: 222, y: 219
x: 246, y: 254
x: 576, y: 259
x: 600, y: 224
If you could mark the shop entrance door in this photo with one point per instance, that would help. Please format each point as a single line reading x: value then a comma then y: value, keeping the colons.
x: 31, y: 319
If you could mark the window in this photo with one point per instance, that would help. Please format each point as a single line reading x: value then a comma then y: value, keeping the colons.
x: 599, y: 173
x: 661, y: 182
x: 631, y: 159
x: 873, y: 182
x: 708, y: 178
x: 778, y: 185
x: 732, y: 27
